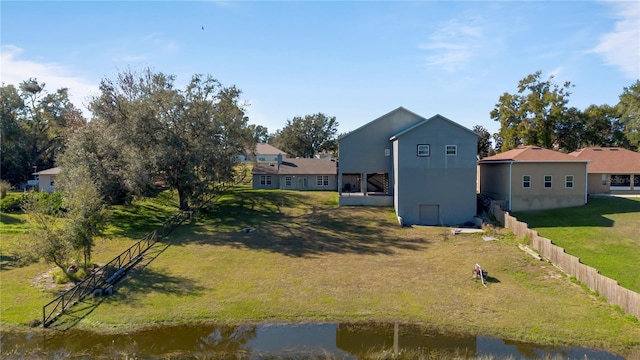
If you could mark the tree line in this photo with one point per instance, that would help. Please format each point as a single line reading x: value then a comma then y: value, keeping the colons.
x: 538, y: 113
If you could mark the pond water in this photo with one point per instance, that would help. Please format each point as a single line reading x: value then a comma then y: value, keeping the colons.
x: 327, y: 340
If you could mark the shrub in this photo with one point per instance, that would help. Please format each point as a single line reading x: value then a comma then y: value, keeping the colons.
x: 11, y: 203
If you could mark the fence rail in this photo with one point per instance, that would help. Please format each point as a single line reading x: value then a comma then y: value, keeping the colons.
x: 102, y: 279
x: 608, y: 288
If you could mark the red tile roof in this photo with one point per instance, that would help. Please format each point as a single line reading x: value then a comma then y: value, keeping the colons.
x: 531, y: 154
x: 609, y: 160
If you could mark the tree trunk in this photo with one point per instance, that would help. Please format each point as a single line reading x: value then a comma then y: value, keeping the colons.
x: 184, y: 201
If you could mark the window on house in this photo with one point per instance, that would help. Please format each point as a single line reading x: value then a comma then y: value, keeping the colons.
x: 526, y: 181
x: 568, y: 181
x: 265, y: 179
x: 451, y: 150
x: 287, y: 180
x: 261, y: 158
x: 604, y: 179
x: 387, y: 152
x: 423, y: 150
x: 322, y: 180
x: 547, y: 181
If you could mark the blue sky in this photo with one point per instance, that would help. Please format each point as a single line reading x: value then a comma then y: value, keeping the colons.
x: 354, y: 60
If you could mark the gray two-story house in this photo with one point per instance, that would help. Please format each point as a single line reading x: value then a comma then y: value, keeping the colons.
x: 424, y: 168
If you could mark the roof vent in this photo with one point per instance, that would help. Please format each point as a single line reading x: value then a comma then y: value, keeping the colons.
x: 597, y: 149
x: 536, y: 148
x: 613, y: 149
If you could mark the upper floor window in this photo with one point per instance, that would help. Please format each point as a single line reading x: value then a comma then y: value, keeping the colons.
x: 526, y: 181
x: 423, y: 150
x: 547, y: 181
x: 451, y: 150
x: 568, y: 181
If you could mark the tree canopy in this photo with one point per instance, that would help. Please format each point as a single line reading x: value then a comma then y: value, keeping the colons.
x: 35, y: 126
x: 538, y: 114
x: 189, y: 139
x: 308, y: 135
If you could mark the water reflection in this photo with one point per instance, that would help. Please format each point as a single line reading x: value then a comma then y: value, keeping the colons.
x: 340, y: 341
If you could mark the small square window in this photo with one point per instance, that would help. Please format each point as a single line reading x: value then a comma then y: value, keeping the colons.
x: 423, y: 150
x: 568, y: 181
x: 548, y: 181
x: 451, y: 150
x: 526, y: 181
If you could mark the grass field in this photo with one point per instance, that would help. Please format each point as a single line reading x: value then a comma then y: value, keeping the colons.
x: 309, y: 260
x: 604, y: 234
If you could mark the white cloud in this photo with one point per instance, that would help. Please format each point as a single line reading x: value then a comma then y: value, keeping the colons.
x: 14, y: 70
x: 452, y: 46
x: 621, y: 47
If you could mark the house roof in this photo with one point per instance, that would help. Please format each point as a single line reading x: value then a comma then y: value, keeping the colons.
x: 295, y: 166
x: 531, y: 154
x: 609, y: 159
x: 266, y: 149
x: 437, y: 116
x: 52, y: 171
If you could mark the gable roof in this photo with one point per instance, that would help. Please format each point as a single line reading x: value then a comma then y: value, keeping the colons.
x: 52, y: 171
x: 437, y: 116
x: 266, y: 149
x: 370, y: 123
x: 294, y: 166
x: 609, y: 159
x: 531, y: 154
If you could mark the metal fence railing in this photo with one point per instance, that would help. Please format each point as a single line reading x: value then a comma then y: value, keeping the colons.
x: 102, y: 279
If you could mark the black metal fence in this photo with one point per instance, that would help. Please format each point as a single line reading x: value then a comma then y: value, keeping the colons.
x: 101, y: 280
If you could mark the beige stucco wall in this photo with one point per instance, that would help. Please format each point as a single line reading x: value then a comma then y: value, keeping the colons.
x: 537, y: 197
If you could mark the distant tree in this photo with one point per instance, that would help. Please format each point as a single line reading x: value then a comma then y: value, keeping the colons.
x: 570, y: 130
x: 629, y: 109
x: 530, y: 116
x: 603, y: 127
x: 260, y: 133
x: 35, y: 128
x: 484, y: 140
x: 189, y: 138
x: 308, y: 135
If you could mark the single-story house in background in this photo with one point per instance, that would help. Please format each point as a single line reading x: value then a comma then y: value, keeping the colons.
x: 296, y: 174
x: 263, y: 153
x: 533, y: 178
x: 424, y: 168
x: 611, y: 170
x: 46, y: 179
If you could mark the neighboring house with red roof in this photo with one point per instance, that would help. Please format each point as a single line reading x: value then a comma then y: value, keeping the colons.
x: 533, y: 178
x: 611, y: 170
x: 296, y: 174
x: 46, y: 179
x: 263, y: 153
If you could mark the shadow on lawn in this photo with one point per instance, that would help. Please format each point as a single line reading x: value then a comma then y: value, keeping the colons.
x: 592, y: 214
x: 288, y: 225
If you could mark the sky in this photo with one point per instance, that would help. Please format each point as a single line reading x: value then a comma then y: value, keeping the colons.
x: 355, y: 60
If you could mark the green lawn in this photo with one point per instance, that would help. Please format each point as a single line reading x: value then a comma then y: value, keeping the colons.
x: 309, y: 260
x: 604, y: 234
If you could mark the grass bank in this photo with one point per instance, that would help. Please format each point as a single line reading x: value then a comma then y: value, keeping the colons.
x: 309, y: 260
x: 603, y: 234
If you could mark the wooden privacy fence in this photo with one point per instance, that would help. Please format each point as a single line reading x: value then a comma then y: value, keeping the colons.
x: 615, y: 294
x: 102, y: 279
